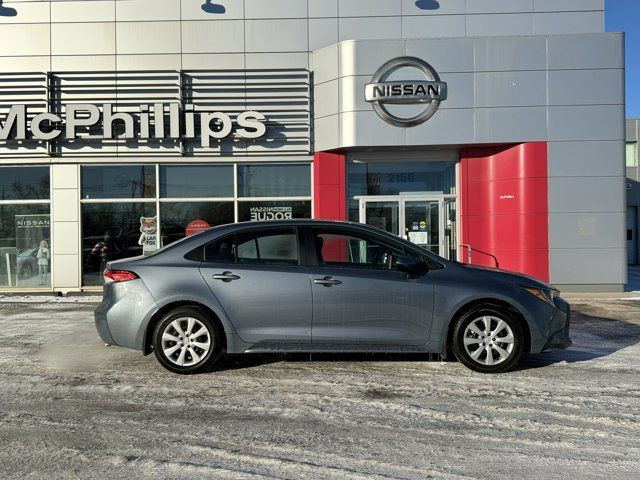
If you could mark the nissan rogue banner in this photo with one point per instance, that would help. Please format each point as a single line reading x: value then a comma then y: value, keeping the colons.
x: 147, y: 122
x: 259, y: 213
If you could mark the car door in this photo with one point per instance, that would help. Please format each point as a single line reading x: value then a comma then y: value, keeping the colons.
x: 359, y: 298
x: 257, y: 278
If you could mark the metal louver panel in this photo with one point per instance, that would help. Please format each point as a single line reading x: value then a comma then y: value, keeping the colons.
x: 282, y: 96
x: 28, y: 89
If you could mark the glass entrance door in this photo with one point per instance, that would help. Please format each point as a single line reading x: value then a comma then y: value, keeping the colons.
x: 428, y: 221
x: 422, y: 223
x: 384, y: 215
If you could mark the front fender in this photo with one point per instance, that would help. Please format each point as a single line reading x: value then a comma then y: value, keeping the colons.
x: 449, y: 301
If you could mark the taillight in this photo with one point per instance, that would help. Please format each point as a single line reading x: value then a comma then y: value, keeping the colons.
x: 118, y: 276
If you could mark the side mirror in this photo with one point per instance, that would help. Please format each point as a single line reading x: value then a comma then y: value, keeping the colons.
x: 411, y: 266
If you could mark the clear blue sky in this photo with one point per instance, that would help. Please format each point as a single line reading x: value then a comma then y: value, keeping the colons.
x: 624, y: 16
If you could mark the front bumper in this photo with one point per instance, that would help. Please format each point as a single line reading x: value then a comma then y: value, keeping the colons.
x: 548, y: 324
x: 558, y: 331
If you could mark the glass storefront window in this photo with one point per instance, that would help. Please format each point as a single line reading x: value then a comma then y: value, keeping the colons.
x: 256, y: 210
x: 120, y: 181
x: 353, y: 210
x: 632, y: 157
x: 178, y: 217
x: 24, y: 183
x: 25, y: 245
x: 274, y: 180
x: 394, y: 178
x: 112, y: 231
x: 196, y: 181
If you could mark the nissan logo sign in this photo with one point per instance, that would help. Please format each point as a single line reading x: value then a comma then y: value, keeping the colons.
x: 430, y: 91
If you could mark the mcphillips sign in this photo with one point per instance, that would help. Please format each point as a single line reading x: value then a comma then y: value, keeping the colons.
x: 147, y: 122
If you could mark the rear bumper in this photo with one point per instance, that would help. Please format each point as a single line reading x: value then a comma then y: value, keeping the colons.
x: 121, y: 317
x: 102, y: 326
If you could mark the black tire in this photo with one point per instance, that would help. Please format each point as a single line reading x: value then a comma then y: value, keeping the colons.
x: 475, y: 315
x: 27, y: 271
x: 215, y: 335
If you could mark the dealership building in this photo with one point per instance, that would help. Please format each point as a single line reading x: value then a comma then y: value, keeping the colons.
x: 489, y: 131
x: 633, y: 191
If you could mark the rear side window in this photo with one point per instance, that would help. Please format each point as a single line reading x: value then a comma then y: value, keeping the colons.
x: 272, y: 247
x: 220, y: 251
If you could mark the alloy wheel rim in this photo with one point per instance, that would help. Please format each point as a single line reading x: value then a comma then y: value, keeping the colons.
x: 186, y: 341
x: 488, y: 340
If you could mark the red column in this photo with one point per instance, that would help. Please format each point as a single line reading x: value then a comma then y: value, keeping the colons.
x: 504, y: 207
x: 329, y: 186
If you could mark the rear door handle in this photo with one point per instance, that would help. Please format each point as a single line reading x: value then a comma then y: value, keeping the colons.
x: 225, y: 276
x: 326, y: 281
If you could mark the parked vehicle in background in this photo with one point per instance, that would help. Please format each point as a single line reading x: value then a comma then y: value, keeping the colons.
x: 27, y: 263
x: 321, y: 286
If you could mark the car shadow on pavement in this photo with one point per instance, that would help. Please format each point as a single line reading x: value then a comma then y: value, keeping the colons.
x: 228, y: 362
x: 593, y: 337
x: 241, y: 361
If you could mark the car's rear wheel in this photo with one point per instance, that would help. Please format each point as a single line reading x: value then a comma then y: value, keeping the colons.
x: 488, y: 339
x: 187, y: 341
x: 27, y: 271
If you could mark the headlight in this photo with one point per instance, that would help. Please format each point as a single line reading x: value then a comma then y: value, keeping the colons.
x: 543, y: 294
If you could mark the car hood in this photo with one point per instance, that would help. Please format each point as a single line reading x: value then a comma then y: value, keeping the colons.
x: 511, y: 277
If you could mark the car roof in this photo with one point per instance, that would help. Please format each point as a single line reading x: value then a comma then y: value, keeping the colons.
x: 297, y: 222
x: 300, y: 222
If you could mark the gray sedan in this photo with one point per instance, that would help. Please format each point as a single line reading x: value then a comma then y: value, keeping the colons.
x: 321, y: 286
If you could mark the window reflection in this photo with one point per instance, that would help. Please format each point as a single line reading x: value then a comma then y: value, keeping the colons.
x: 126, y: 181
x: 25, y: 246
x: 393, y: 178
x: 196, y: 181
x: 24, y: 183
x: 110, y: 231
x: 185, y: 218
x: 274, y: 180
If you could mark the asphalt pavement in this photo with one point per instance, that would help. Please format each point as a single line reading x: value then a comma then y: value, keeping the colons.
x: 72, y: 408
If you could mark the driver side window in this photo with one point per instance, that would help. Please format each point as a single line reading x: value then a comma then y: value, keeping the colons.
x: 350, y: 250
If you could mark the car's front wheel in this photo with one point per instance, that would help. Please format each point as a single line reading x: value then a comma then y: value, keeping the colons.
x: 487, y: 339
x: 187, y: 341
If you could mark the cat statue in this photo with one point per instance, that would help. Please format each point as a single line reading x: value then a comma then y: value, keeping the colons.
x: 148, y: 234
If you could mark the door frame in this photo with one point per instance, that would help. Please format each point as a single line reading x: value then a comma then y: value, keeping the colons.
x: 632, y: 215
x: 402, y: 199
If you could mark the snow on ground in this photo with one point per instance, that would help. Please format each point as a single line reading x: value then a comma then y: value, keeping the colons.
x: 72, y: 408
x: 49, y: 299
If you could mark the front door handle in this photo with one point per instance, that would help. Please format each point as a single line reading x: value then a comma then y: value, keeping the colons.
x: 225, y: 276
x: 326, y: 281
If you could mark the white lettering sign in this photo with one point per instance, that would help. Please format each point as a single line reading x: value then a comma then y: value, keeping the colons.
x: 182, y: 123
